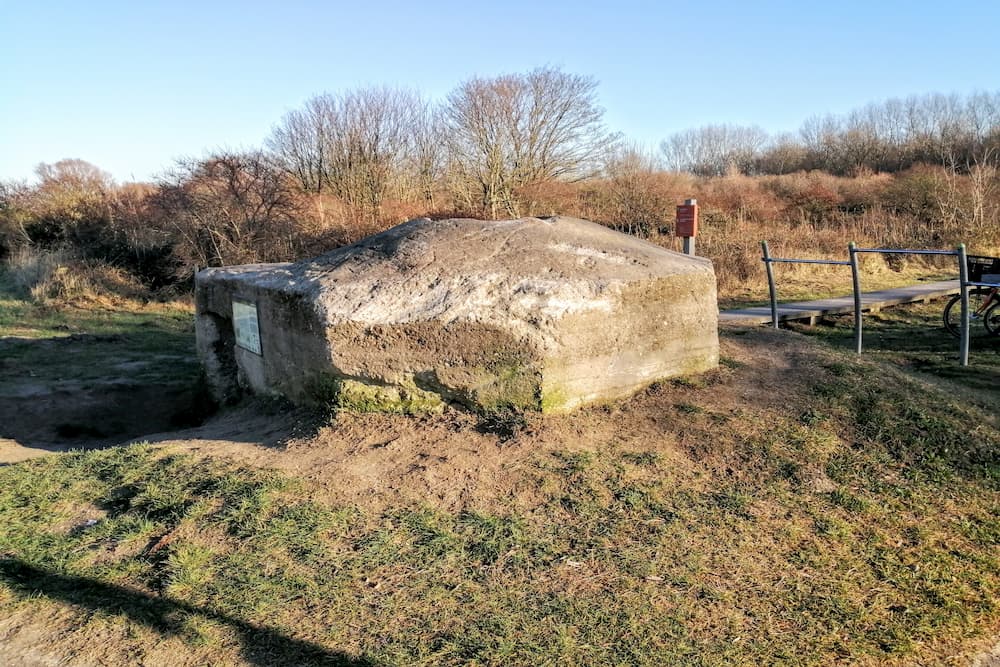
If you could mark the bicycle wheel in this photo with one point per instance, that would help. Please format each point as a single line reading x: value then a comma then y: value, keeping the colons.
x: 991, y: 320
x: 953, y: 311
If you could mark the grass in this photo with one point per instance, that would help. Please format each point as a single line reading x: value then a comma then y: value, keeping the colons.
x: 913, y: 338
x: 151, y: 343
x: 860, y: 525
x: 807, y: 283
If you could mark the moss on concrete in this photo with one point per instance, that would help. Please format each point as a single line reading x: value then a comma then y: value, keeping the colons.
x: 361, y: 397
x: 509, y: 386
x: 504, y: 384
x: 348, y: 394
x: 553, y: 399
x: 322, y: 389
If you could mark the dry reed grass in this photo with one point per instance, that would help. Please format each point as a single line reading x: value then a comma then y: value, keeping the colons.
x: 56, y: 278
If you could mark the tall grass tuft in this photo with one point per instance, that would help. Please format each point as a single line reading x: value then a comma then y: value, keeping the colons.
x: 56, y: 277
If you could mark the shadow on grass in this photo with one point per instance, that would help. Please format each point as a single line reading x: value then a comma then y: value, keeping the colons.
x: 260, y: 645
x: 912, y: 337
x: 90, y: 378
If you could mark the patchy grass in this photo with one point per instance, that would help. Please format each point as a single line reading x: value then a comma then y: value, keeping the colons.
x: 913, y: 338
x: 854, y: 519
x: 41, y: 343
x: 72, y: 376
x: 858, y: 523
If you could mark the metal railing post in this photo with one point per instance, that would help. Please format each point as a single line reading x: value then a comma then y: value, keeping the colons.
x: 772, y: 290
x: 963, y: 280
x: 854, y: 251
x: 856, y: 281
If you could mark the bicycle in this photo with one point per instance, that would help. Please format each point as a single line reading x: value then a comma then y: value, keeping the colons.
x: 984, y: 302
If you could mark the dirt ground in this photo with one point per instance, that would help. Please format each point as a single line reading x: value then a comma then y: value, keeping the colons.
x: 454, y: 460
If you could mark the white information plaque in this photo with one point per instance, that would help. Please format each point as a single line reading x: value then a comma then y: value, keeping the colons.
x: 246, y: 327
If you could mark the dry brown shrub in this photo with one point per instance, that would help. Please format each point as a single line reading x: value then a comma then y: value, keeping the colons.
x: 739, y: 198
x: 920, y: 192
x: 737, y: 257
x: 639, y: 202
x: 396, y: 212
x: 326, y: 222
x: 26, y: 267
x: 863, y: 192
x: 57, y: 278
x: 89, y: 284
x: 803, y: 215
x: 811, y: 197
x: 549, y: 198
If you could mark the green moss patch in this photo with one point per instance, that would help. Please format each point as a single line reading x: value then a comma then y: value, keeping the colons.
x: 361, y: 397
x: 348, y: 394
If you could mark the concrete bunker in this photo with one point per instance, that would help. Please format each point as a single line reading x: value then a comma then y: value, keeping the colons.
x: 537, y: 313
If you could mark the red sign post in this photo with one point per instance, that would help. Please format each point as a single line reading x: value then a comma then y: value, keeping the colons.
x: 687, y: 224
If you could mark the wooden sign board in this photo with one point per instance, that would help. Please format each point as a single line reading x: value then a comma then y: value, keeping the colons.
x: 687, y: 220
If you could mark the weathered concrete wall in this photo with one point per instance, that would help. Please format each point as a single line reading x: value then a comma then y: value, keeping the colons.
x: 534, y: 313
x: 293, y: 344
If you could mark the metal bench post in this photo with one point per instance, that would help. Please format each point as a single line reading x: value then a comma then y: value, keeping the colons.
x: 856, y: 281
x: 772, y: 290
x: 963, y: 285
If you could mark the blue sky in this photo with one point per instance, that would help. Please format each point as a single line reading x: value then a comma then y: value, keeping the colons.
x: 130, y: 86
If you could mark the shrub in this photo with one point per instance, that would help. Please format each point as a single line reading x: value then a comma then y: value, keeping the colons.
x: 57, y: 278
x: 809, y: 198
x: 27, y: 268
x: 916, y: 192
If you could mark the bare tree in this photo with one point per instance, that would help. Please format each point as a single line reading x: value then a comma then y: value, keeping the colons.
x: 784, y: 154
x: 14, y: 216
x: 71, y: 189
x: 820, y: 136
x: 714, y: 150
x: 70, y: 204
x: 300, y: 142
x: 518, y: 130
x: 230, y: 208
x: 896, y: 134
x: 984, y: 184
x: 356, y: 145
x: 425, y: 164
x: 635, y: 202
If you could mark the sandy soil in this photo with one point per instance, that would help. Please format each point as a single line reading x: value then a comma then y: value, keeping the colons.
x: 452, y: 461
